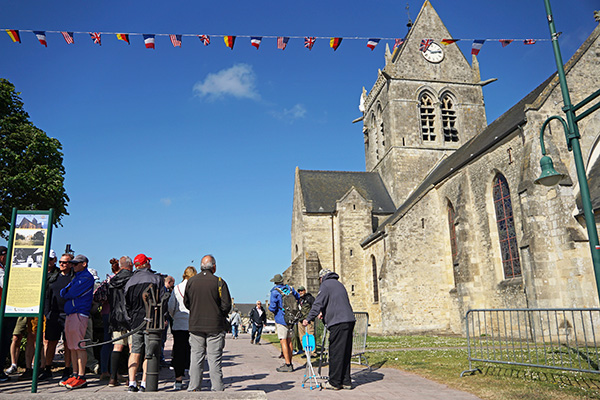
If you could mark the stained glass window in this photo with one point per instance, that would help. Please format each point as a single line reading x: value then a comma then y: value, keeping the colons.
x: 506, y: 228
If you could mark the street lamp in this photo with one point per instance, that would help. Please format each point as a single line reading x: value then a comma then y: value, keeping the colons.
x: 549, y: 176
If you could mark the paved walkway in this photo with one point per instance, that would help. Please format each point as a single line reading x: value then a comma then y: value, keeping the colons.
x: 249, y: 373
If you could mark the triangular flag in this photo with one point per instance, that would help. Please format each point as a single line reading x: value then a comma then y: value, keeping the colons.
x: 176, y: 40
x: 124, y: 37
x: 149, y: 41
x: 425, y: 43
x: 449, y: 41
x: 41, y: 36
x: 309, y: 42
x: 204, y: 39
x: 96, y: 37
x: 371, y: 43
x: 282, y: 42
x: 335, y: 42
x: 506, y: 42
x: 477, y: 44
x: 255, y: 41
x: 229, y: 41
x: 398, y: 43
x: 14, y: 35
x: 529, y: 41
x: 68, y: 37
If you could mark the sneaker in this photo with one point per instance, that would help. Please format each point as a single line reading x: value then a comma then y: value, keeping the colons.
x: 67, y: 373
x: 4, y: 377
x: 178, y: 385
x: 142, y: 389
x: 25, y: 376
x: 329, y: 386
x: 286, y: 368
x: 78, y: 382
x: 11, y: 370
x: 132, y: 389
x: 347, y: 387
x: 63, y: 382
x: 112, y: 382
x: 46, y: 374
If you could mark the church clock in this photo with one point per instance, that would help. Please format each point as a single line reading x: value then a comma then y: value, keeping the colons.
x: 434, y: 53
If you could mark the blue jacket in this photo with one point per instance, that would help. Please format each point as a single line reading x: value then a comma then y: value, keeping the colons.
x: 332, y: 301
x: 276, y: 302
x: 79, y: 293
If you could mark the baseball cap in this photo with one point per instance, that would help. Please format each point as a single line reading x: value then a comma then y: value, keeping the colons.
x: 277, y: 279
x: 52, y: 254
x: 301, y: 288
x: 141, y: 259
x: 79, y: 258
x: 3, y: 250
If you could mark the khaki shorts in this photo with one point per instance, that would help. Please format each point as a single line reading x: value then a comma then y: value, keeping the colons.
x: 283, y: 332
x: 125, y: 341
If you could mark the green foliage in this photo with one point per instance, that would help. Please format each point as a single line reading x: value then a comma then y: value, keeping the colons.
x: 31, y: 163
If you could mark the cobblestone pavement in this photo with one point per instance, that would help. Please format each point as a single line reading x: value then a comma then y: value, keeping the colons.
x: 249, y: 373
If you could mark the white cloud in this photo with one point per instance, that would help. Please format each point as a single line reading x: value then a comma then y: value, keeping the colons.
x: 237, y: 81
x: 289, y: 114
x: 166, y: 201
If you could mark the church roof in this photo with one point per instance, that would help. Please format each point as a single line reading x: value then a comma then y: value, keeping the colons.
x: 321, y: 190
x: 503, y: 128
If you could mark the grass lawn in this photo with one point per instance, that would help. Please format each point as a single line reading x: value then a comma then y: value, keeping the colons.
x: 442, y: 359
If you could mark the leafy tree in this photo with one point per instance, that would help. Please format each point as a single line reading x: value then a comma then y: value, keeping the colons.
x: 31, y: 163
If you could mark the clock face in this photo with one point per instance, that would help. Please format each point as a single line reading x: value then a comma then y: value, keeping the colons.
x: 434, y: 53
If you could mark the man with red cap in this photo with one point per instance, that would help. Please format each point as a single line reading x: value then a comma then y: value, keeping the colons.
x: 135, y: 287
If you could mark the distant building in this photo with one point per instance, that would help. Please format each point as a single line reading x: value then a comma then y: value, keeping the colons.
x: 446, y: 217
x: 27, y: 224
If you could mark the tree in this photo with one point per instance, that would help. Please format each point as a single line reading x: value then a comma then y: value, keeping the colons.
x: 31, y: 163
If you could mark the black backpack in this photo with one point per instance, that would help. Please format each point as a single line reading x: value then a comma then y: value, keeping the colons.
x: 291, y: 308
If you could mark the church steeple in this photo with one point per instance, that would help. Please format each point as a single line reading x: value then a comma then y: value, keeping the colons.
x: 425, y: 103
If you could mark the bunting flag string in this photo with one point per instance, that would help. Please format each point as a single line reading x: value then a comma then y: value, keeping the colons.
x: 282, y: 41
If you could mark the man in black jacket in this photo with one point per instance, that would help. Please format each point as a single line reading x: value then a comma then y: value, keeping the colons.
x: 306, y: 302
x: 208, y: 299
x: 134, y: 289
x: 332, y: 301
x: 258, y: 318
x: 119, y: 322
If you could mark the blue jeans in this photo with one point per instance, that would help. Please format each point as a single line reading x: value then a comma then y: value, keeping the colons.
x: 234, y: 330
x: 256, y: 331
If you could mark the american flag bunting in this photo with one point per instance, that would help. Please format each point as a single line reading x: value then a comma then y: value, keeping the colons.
x: 68, y: 37
x: 282, y: 42
x: 176, y: 40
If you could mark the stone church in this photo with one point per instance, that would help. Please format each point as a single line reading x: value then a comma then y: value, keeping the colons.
x: 446, y: 217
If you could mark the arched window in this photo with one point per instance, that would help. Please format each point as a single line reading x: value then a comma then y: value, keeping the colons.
x: 449, y: 119
x: 380, y: 126
x: 506, y: 228
x: 375, y: 281
x: 374, y: 135
x: 427, y: 112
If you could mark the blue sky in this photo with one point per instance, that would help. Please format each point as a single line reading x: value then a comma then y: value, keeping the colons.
x: 180, y: 152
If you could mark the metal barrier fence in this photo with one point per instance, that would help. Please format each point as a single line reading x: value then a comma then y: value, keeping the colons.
x: 359, y: 339
x: 556, y: 338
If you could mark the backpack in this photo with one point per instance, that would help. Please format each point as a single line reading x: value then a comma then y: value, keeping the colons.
x: 291, y: 309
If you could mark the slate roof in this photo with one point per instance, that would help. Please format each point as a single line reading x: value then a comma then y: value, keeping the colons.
x: 321, y: 190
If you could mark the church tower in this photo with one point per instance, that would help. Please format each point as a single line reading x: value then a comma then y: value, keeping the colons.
x: 423, y: 106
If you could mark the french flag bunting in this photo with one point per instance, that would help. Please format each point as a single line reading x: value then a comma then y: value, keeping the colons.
x: 41, y: 36
x: 372, y: 43
x: 476, y: 47
x: 149, y: 41
x: 255, y: 41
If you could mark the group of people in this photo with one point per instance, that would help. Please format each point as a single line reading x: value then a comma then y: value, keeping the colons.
x: 333, y: 306
x: 198, y: 309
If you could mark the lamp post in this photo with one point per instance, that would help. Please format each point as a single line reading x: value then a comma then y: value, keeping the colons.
x: 549, y: 176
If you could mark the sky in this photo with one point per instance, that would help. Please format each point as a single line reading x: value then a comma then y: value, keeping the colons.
x: 182, y: 152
